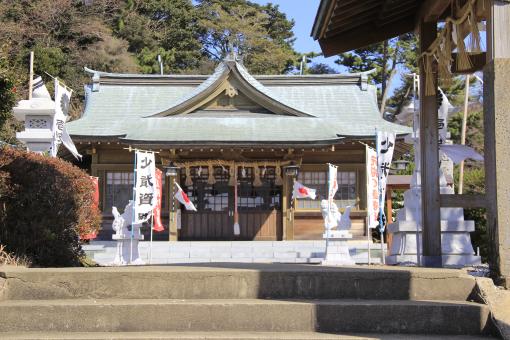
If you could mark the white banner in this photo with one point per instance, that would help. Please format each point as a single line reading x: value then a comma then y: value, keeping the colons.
x: 60, y: 134
x: 385, y: 148
x: 458, y: 153
x: 62, y: 98
x: 372, y: 187
x: 442, y: 118
x: 332, y: 181
x: 145, y: 191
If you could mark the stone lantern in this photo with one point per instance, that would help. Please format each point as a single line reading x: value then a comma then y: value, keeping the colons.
x: 37, y: 113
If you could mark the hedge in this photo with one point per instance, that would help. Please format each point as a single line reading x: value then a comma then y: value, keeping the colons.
x: 45, y: 204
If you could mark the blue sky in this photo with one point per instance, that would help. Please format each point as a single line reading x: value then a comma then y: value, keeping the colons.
x: 303, y: 12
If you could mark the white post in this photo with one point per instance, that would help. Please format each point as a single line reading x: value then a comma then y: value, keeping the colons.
x: 31, y: 76
x: 463, y: 133
x: 417, y: 168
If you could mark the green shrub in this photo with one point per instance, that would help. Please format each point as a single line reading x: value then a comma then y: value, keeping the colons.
x: 45, y: 204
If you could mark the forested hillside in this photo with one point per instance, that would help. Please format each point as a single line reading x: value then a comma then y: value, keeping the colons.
x: 128, y: 35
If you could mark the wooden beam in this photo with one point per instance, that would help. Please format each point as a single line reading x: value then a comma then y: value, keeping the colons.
x: 432, y: 10
x: 498, y: 43
x: 463, y: 201
x: 477, y: 60
x: 364, y: 35
x: 431, y: 217
x: 352, y: 12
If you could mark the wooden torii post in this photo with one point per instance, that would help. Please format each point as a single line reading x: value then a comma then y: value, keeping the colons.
x: 496, y: 100
x: 496, y: 66
x: 339, y: 28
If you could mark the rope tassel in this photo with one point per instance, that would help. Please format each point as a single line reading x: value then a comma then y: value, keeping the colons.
x: 210, y: 178
x: 188, y: 182
x: 231, y: 174
x: 463, y: 61
x: 256, y: 180
x: 474, y: 39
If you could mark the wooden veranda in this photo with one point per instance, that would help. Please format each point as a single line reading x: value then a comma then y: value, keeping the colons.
x: 343, y: 25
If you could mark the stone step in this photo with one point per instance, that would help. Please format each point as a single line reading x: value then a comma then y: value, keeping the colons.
x: 236, y: 281
x: 228, y: 336
x: 244, y: 315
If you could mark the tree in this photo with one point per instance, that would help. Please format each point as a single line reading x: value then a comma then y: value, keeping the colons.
x: 386, y: 58
x: 321, y: 68
x: 261, y: 35
x: 168, y: 28
x: 65, y: 35
x: 127, y: 36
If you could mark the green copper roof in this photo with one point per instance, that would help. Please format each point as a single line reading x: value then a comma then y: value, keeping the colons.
x: 320, y: 109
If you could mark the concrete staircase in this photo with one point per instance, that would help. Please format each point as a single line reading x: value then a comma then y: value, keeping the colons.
x: 239, y: 301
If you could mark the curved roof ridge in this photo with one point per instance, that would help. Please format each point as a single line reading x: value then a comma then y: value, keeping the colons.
x: 217, y: 75
x: 266, y: 97
x: 264, y: 90
x: 176, y: 75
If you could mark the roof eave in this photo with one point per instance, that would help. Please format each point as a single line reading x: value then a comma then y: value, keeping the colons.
x: 322, y: 15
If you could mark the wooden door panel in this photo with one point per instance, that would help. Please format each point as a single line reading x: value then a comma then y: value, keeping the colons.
x: 260, y: 225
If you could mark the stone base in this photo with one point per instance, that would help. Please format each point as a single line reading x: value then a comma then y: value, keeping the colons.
x: 453, y: 261
x: 127, y: 251
x: 337, y: 249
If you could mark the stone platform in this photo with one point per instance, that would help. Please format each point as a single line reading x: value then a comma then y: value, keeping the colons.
x: 163, y: 252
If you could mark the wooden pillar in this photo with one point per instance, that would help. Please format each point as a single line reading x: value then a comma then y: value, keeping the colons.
x: 389, y: 215
x: 173, y: 205
x: 431, y: 217
x: 497, y: 139
x: 287, y: 211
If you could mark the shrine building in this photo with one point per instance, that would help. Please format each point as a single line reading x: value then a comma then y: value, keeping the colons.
x: 231, y: 127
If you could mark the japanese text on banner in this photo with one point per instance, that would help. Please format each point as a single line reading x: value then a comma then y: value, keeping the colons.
x: 385, y: 148
x: 372, y: 187
x: 145, y: 193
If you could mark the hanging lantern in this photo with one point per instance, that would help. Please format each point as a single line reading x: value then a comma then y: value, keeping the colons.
x: 291, y: 170
x: 171, y: 170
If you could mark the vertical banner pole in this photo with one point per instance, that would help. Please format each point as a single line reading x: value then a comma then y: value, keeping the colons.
x: 237, y: 227
x: 134, y: 205
x: 368, y: 240
x: 329, y: 210
x: 31, y: 76
x: 368, y: 166
x: 416, y: 131
x: 150, y: 244
x: 381, y: 227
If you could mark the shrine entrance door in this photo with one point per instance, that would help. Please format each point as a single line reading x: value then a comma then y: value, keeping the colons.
x: 259, y: 207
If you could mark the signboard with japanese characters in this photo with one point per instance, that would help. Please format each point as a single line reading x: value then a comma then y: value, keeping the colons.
x: 332, y: 181
x: 372, y: 187
x: 385, y: 147
x: 145, y: 186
